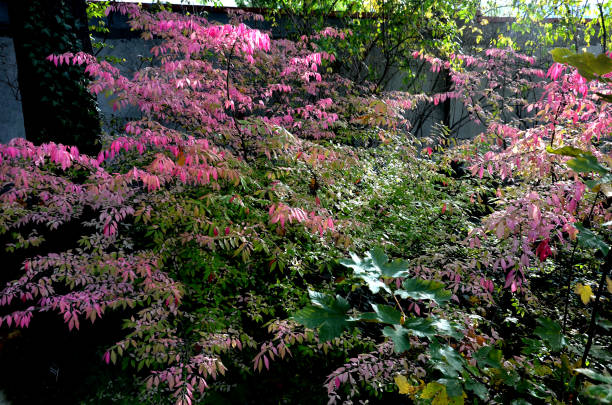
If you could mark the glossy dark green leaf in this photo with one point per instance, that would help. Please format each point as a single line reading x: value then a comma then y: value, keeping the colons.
x: 387, y: 314
x: 607, y: 179
x: 550, y: 333
x: 419, y: 289
x: 400, y: 337
x: 594, y: 375
x: 454, y: 388
x: 479, y: 389
x: 446, y: 359
x: 374, y: 266
x: 327, y: 314
x: 488, y: 357
x: 587, y: 164
x: 588, y: 239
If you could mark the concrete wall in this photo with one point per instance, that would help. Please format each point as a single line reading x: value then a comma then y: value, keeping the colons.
x: 124, y: 43
x: 11, y: 116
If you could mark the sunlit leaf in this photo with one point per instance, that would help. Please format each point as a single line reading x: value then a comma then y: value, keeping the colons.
x: 587, y: 164
x: 404, y: 386
x: 374, y: 266
x: 420, y: 289
x: 567, y: 151
x: 584, y: 291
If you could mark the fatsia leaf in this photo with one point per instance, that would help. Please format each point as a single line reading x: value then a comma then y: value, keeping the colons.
x: 327, y: 314
x: 588, y: 239
x: 589, y: 66
x: 436, y: 392
x: 550, y: 333
x: 446, y: 359
x: 400, y: 337
x: 453, y: 386
x: 587, y: 164
x: 592, y: 184
x: 384, y: 314
x: 397, y: 268
x: 567, y: 151
x: 444, y: 327
x: 602, y: 393
x: 488, y: 357
x: 477, y: 388
x: 375, y: 266
x: 594, y: 375
x: 419, y: 289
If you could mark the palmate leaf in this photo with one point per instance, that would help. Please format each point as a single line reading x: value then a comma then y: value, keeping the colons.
x: 587, y: 164
x: 601, y: 392
x: 550, y: 333
x: 589, y: 66
x: 420, y: 327
x: 592, y: 184
x: 588, y: 239
x: 383, y: 314
x: 328, y: 314
x: 419, y: 289
x: 400, y: 337
x: 446, y: 359
x: 488, y: 357
x: 567, y: 151
x: 374, y: 266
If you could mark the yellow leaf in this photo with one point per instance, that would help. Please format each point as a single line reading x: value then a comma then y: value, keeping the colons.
x: 436, y: 392
x: 585, y: 292
x: 609, y: 281
x: 404, y: 386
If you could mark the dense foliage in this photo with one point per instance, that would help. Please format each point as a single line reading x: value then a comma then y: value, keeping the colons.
x: 268, y: 231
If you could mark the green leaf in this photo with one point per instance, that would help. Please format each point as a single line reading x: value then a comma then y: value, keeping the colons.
x: 601, y: 393
x: 375, y: 266
x: 593, y: 375
x: 558, y: 54
x: 419, y: 289
x: 400, y: 337
x: 477, y: 388
x: 589, y: 66
x: 567, y: 151
x: 327, y: 314
x: 603, y: 180
x: 488, y: 357
x: 550, y: 333
x: 607, y: 97
x: 384, y: 314
x: 421, y: 327
x: 446, y: 359
x: 587, y: 164
x: 604, y: 323
x: 588, y: 239
x: 453, y: 386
